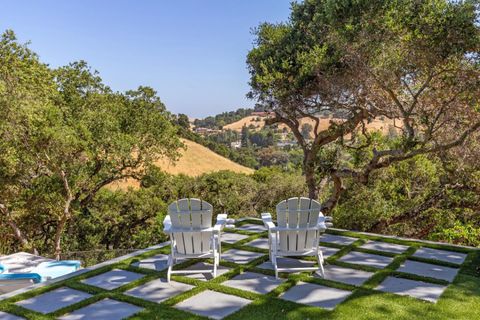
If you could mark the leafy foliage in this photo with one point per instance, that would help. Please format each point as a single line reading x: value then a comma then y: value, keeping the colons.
x: 413, y: 62
x: 222, y: 119
x: 66, y: 136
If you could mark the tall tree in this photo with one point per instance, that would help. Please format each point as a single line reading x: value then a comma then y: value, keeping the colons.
x: 67, y: 135
x: 245, y: 137
x: 26, y: 92
x: 413, y: 62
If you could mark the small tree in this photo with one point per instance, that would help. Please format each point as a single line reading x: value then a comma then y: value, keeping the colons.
x: 183, y: 121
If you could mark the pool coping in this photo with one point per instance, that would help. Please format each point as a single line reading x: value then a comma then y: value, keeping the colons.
x: 82, y: 271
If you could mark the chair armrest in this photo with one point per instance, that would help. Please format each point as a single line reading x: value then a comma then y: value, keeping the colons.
x: 327, y: 220
x: 3, y: 268
x: 321, y: 226
x: 321, y: 223
x: 167, y: 224
x: 267, y: 221
x: 221, y: 222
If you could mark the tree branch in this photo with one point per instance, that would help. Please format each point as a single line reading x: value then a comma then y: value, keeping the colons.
x: 11, y: 222
x: 338, y: 189
x: 65, y: 214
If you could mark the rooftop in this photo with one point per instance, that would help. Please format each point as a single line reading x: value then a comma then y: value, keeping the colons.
x: 367, y: 277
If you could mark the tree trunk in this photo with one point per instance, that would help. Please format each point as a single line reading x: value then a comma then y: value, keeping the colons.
x: 16, y: 230
x: 309, y: 171
x: 337, y: 191
x: 311, y: 184
x: 59, y: 231
x: 65, y: 216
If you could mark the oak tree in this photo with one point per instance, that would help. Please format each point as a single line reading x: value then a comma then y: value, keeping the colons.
x: 414, y: 63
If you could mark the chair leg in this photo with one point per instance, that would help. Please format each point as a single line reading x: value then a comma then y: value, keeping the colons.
x: 219, y: 249
x: 275, y: 267
x: 215, y: 264
x: 270, y: 246
x: 170, y: 265
x: 215, y: 245
x: 320, y: 263
x: 273, y: 252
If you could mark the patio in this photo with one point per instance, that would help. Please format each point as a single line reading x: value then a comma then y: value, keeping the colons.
x: 366, y: 276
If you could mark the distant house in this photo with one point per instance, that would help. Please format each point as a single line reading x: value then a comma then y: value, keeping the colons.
x: 236, y: 144
x: 285, y: 143
x: 262, y: 114
x: 201, y: 130
x: 206, y: 131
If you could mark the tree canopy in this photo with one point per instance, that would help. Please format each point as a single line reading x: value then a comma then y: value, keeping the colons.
x: 65, y: 135
x: 413, y: 62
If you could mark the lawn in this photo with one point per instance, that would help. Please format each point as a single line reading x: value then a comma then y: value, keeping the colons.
x: 460, y: 300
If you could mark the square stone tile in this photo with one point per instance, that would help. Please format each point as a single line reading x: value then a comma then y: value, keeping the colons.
x: 212, y: 304
x: 442, y: 255
x: 208, y: 275
x: 8, y: 316
x: 345, y: 275
x: 385, y: 246
x: 112, y: 279
x: 328, y: 251
x: 366, y: 259
x: 260, y: 243
x: 53, y: 300
x: 158, y: 290
x: 315, y: 295
x: 332, y: 238
x: 252, y: 227
x: 428, y: 270
x: 158, y: 263
x: 417, y: 289
x: 254, y: 282
x: 287, y: 263
x: 230, y: 237
x: 240, y: 256
x: 106, y: 309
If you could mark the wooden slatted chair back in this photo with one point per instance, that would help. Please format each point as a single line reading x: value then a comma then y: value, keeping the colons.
x: 297, y: 215
x: 191, y: 216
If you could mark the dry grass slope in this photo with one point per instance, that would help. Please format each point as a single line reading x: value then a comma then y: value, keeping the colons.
x: 376, y: 124
x: 194, y: 161
x: 237, y: 125
x: 197, y: 160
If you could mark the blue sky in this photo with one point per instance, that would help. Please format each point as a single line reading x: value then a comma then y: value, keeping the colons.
x: 192, y: 52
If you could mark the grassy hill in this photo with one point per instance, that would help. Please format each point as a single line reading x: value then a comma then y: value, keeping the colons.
x: 194, y: 161
x: 197, y: 159
x: 249, y: 120
x: 258, y: 123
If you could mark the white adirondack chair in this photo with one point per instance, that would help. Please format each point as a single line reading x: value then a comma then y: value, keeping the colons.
x: 189, y: 225
x: 300, y: 224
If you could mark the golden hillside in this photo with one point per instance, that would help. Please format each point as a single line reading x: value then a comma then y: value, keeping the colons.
x: 376, y: 124
x: 237, y: 125
x: 194, y: 161
x: 197, y: 159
